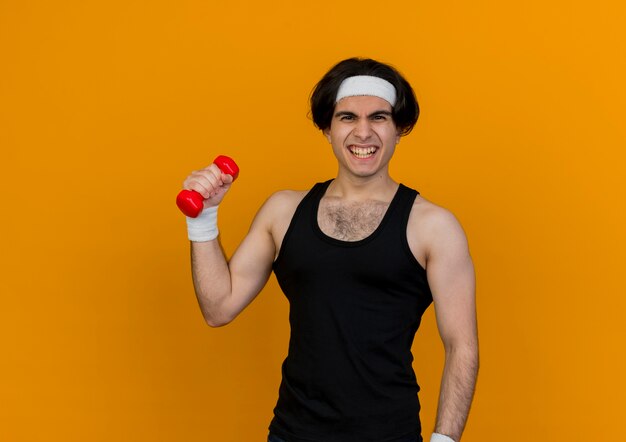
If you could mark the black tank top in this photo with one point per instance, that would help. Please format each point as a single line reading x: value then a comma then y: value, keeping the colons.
x: 354, y: 310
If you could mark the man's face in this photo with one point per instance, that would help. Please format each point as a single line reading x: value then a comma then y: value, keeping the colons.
x: 363, y: 135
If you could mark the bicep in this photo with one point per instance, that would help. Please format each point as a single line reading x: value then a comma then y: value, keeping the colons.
x: 251, y: 264
x: 451, y: 277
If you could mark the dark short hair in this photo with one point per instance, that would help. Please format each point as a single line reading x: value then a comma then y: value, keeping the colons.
x: 404, y: 113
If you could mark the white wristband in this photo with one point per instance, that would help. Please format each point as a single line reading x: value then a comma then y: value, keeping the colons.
x: 436, y: 437
x: 204, y: 227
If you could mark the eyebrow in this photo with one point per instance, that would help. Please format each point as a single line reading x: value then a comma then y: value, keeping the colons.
x: 373, y: 114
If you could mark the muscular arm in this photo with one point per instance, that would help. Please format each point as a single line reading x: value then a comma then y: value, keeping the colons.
x: 451, y: 277
x: 224, y: 288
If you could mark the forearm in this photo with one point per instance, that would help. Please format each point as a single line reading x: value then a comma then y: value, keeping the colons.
x: 211, y: 280
x: 457, y: 389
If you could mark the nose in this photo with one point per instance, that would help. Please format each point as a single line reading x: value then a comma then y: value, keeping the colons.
x: 363, y: 129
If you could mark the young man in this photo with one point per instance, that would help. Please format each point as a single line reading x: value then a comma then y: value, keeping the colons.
x: 360, y: 258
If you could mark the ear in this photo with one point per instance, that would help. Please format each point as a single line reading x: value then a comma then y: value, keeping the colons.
x: 326, y: 133
x: 398, y: 136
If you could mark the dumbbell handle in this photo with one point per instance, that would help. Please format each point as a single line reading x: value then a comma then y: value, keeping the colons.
x: 191, y: 202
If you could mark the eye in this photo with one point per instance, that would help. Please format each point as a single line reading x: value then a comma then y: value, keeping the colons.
x: 379, y: 117
x: 347, y: 118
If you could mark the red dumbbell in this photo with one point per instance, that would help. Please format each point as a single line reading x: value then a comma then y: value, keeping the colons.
x: 191, y: 202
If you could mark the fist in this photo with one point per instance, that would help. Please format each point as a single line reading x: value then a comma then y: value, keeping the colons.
x: 209, y: 182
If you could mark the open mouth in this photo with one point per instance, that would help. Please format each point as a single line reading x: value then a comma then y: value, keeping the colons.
x: 363, y: 152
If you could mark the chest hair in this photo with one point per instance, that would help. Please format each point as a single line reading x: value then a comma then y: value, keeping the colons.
x: 350, y: 221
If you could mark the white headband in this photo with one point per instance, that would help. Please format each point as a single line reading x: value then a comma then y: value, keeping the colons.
x: 360, y: 85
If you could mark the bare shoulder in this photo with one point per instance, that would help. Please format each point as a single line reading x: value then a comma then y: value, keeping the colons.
x: 286, y: 197
x: 433, y: 218
x: 432, y: 228
x: 283, y: 202
x: 277, y: 212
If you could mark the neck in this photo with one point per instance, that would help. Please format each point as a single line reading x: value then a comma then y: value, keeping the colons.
x: 378, y: 187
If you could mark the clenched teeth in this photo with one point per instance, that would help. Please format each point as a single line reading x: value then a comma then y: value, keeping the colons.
x: 362, y: 152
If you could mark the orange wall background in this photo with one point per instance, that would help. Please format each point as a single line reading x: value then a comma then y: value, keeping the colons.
x: 106, y: 106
